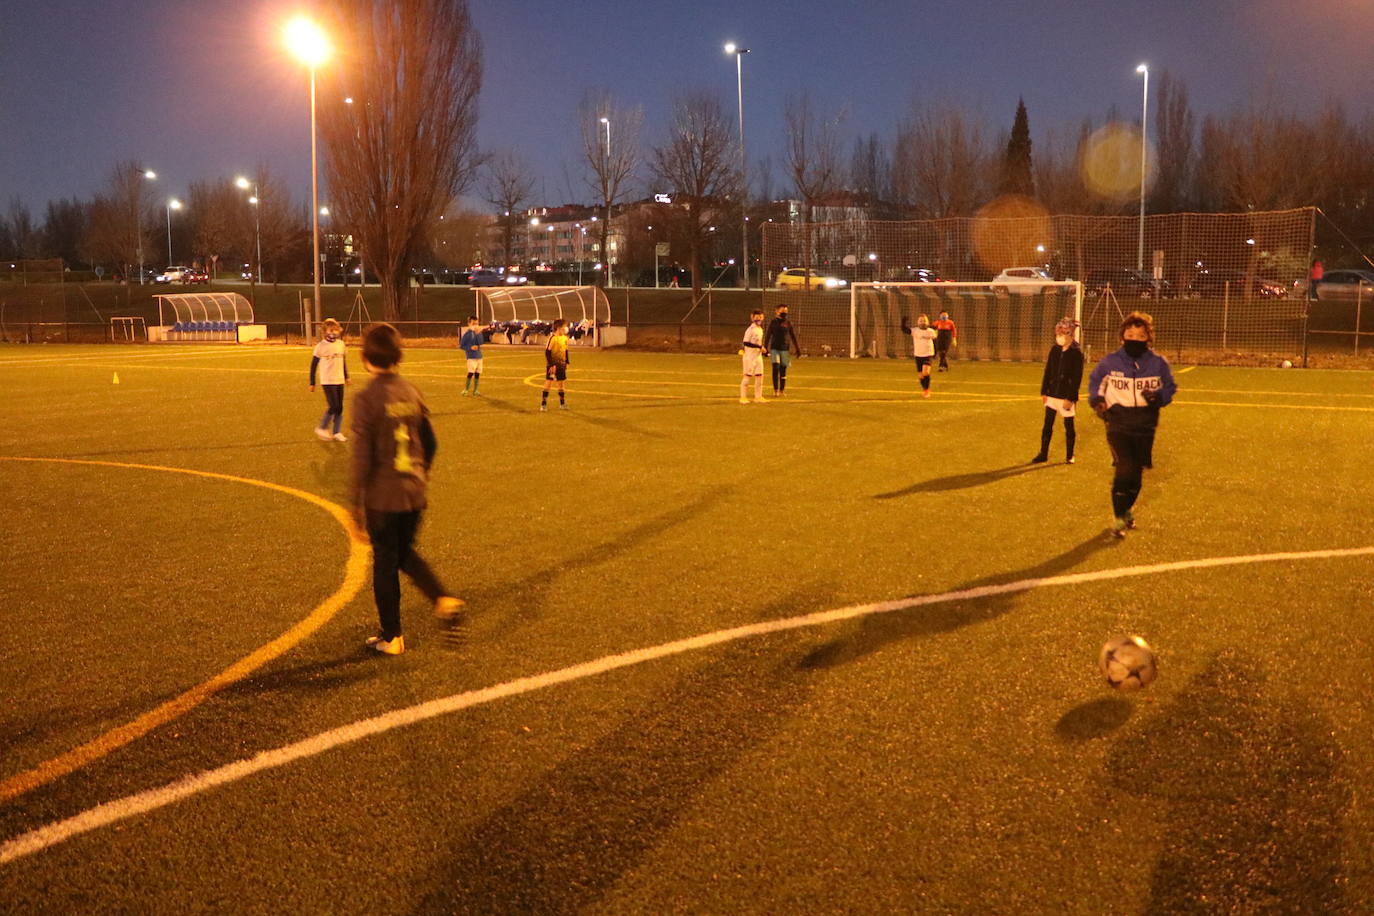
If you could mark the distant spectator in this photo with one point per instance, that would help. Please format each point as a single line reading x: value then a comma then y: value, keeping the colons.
x: 1314, y: 278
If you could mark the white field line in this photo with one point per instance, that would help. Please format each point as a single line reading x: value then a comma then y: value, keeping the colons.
x: 120, y: 809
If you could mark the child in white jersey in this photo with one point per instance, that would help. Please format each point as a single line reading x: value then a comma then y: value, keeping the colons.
x: 331, y: 365
x: 752, y: 354
x: 923, y: 347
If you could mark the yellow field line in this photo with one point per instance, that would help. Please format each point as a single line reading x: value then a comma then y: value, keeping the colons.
x: 355, y: 575
x: 1185, y: 370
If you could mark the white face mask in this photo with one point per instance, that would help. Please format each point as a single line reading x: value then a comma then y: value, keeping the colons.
x: 1062, y: 339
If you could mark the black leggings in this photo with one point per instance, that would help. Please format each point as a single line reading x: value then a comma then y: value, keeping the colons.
x: 1132, y: 453
x: 393, y: 552
x: 1047, y: 433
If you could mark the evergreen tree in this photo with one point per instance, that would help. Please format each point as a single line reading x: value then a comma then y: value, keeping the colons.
x: 1016, y: 168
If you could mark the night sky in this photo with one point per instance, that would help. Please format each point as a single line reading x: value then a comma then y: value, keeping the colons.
x: 200, y: 88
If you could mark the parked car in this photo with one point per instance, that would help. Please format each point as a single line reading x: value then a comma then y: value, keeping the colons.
x: 172, y: 275
x: 1346, y: 284
x: 487, y: 277
x: 194, y: 275
x: 1217, y: 283
x: 1023, y: 280
x: 1125, y: 281
x: 797, y: 278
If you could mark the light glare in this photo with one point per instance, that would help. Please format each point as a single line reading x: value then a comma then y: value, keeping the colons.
x: 307, y: 41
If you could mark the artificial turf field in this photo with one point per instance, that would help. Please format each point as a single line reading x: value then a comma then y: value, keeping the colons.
x: 951, y: 755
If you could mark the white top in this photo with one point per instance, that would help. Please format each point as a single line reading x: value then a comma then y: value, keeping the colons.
x: 923, y: 339
x: 754, y: 335
x: 331, y: 357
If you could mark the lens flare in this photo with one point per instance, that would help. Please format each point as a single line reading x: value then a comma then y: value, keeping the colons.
x: 1109, y: 162
x: 1012, y: 231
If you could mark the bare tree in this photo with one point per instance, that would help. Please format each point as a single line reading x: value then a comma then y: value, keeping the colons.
x: 699, y: 164
x: 1174, y: 146
x: 24, y: 238
x: 942, y: 166
x: 119, y: 229
x: 63, y: 228
x: 215, y: 209
x: 509, y: 187
x: 405, y: 147
x: 870, y: 173
x: 610, y: 154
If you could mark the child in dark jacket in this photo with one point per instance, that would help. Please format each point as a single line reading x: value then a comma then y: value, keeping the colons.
x: 1059, y: 388
x: 1128, y: 389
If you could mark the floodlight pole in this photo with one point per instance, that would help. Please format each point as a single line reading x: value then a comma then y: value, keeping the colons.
x: 743, y: 163
x: 314, y: 198
x: 1144, y: 135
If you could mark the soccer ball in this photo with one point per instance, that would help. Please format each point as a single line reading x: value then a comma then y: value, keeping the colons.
x: 1127, y: 663
x: 1286, y: 364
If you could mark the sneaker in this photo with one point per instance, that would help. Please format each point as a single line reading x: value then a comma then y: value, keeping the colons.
x: 1069, y: 460
x: 466, y: 392
x: 340, y: 437
x: 543, y: 408
x: 760, y: 401
x: 1130, y: 520
x: 744, y: 400
x: 476, y: 394
x: 562, y: 406
x: 448, y: 608
x: 1040, y: 458
x: 926, y: 393
x: 1119, y: 526
x: 323, y: 434
x: 387, y: 646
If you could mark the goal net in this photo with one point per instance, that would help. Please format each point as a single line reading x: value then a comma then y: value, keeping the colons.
x: 532, y: 310
x: 996, y: 321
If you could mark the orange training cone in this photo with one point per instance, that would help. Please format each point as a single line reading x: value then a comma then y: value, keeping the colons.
x: 116, y: 378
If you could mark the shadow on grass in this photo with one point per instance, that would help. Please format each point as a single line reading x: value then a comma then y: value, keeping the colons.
x: 963, y: 481
x: 878, y: 630
x: 571, y: 836
x: 1254, y: 793
x: 1095, y: 719
x: 533, y: 590
x: 326, y: 674
x: 182, y: 449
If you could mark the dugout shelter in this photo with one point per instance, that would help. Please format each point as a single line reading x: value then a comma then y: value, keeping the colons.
x: 514, y: 312
x: 205, y: 318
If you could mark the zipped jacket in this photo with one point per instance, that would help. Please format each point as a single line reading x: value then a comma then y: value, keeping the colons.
x: 1133, y: 390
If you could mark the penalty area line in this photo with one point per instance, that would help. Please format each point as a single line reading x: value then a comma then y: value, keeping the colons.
x: 355, y: 576
x: 120, y: 809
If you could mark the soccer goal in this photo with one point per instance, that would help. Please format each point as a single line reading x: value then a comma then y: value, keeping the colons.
x: 1005, y: 320
x: 523, y: 314
x: 128, y: 328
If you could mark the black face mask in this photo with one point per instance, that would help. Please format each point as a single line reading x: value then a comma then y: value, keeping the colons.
x: 1135, y: 348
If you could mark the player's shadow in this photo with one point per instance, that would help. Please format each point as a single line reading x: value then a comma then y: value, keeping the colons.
x: 530, y: 592
x: 574, y: 832
x: 963, y: 481
x: 876, y: 631
x: 1254, y: 793
x: 325, y: 674
x: 1094, y: 719
x: 619, y: 426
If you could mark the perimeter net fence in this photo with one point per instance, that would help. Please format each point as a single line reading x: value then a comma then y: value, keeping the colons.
x: 1222, y: 287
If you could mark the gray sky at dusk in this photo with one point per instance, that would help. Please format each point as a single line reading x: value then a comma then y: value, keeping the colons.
x: 197, y: 89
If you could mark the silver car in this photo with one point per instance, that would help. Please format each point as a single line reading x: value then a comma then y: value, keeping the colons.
x: 1346, y: 285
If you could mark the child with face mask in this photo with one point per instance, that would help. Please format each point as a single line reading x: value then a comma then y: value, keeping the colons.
x: 330, y: 363
x: 1059, y: 388
x: 1128, y: 389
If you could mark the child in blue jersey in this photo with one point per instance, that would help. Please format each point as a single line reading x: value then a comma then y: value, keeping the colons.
x: 471, y: 344
x: 1128, y: 389
x: 329, y: 363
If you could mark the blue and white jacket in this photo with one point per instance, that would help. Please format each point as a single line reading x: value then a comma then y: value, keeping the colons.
x: 1122, y: 384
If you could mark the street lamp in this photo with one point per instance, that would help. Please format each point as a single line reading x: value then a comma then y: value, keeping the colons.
x: 1144, y: 134
x: 310, y: 45
x: 245, y: 184
x: 172, y: 204
x: 149, y: 175
x: 607, y: 253
x: 738, y: 53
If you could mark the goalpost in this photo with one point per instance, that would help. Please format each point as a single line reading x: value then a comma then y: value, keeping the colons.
x: 525, y: 310
x: 1003, y: 320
